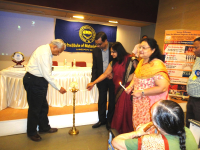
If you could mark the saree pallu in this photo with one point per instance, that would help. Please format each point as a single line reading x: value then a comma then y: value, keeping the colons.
x: 144, y: 78
x: 122, y: 118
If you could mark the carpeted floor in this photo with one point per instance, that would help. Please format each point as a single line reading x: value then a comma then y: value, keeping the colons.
x: 13, y: 114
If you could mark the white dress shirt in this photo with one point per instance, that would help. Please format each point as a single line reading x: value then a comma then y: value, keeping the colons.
x: 136, y: 50
x: 40, y: 65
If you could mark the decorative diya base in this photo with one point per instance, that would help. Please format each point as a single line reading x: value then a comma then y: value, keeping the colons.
x: 73, y: 131
x: 18, y: 66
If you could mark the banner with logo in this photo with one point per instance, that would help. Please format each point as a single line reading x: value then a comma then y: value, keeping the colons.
x: 179, y: 59
x: 79, y: 37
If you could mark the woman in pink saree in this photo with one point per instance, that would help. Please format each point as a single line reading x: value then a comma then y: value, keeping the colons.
x: 122, y: 69
x: 150, y: 82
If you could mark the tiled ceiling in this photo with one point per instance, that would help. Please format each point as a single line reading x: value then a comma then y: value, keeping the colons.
x: 127, y: 12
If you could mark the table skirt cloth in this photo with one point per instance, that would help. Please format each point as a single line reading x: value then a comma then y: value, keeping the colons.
x: 13, y: 94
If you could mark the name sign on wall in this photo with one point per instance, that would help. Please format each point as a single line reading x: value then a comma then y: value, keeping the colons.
x: 80, y: 37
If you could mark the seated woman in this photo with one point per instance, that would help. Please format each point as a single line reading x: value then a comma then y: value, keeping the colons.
x: 168, y: 120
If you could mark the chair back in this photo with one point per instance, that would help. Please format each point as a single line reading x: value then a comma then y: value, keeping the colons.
x: 55, y: 63
x: 195, y: 129
x: 79, y: 64
x: 112, y: 133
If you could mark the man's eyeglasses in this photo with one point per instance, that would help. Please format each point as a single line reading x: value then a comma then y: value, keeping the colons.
x: 98, y: 44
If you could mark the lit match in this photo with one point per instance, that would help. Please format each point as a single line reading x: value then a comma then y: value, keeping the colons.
x: 122, y: 86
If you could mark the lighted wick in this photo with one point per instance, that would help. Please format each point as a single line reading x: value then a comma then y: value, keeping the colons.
x: 122, y: 86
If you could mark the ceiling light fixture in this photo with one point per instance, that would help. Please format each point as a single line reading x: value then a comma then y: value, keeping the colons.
x: 78, y: 17
x: 113, y: 21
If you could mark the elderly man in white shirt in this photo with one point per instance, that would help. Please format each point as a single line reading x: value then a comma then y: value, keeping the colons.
x: 36, y: 79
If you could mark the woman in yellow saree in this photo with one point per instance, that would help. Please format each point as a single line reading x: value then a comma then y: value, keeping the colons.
x: 150, y: 82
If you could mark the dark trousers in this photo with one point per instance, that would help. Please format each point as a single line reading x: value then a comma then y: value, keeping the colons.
x: 193, y: 109
x: 36, y: 88
x: 103, y: 87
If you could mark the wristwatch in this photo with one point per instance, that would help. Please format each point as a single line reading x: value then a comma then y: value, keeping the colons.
x: 142, y: 92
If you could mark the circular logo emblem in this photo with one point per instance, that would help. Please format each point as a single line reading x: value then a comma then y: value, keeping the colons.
x: 87, y: 34
x: 18, y: 57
